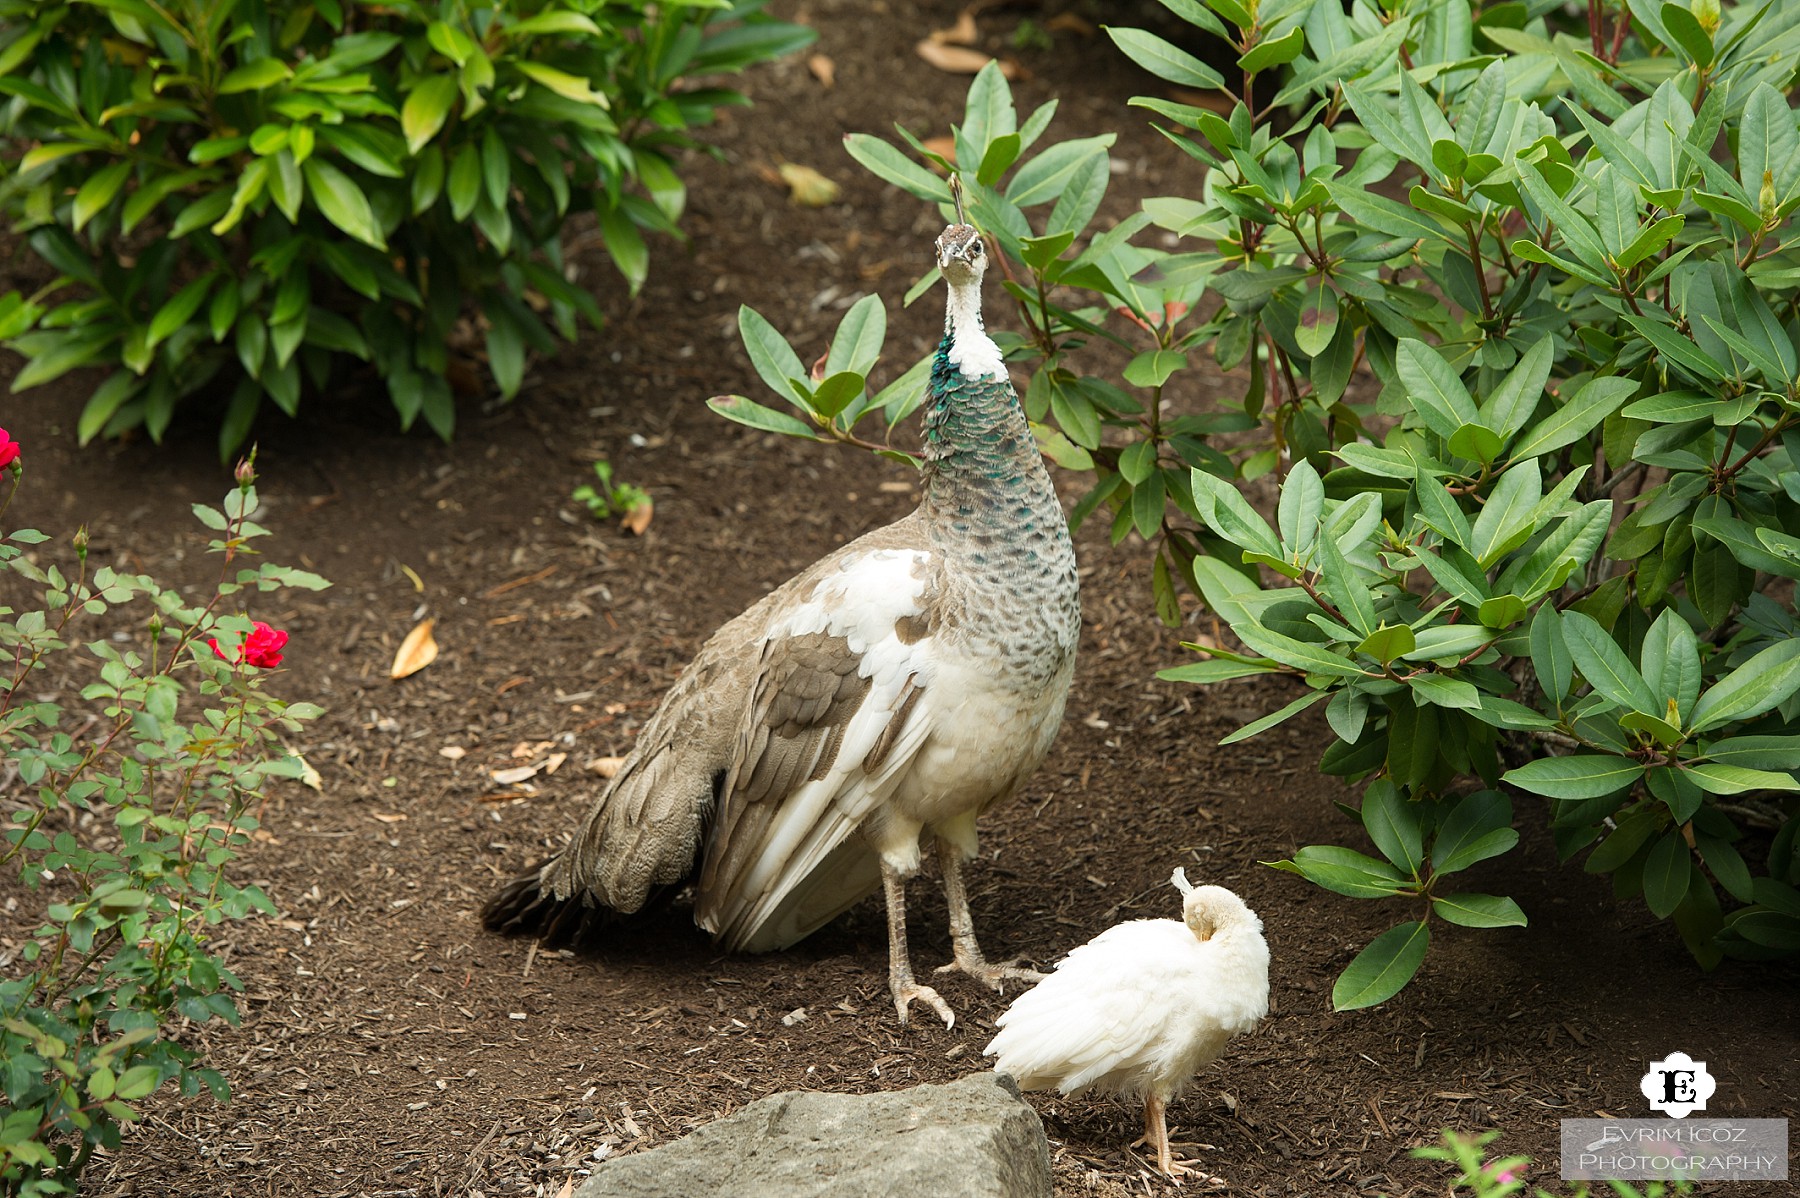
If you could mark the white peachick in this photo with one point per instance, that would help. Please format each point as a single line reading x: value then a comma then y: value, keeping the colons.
x: 1137, y: 1010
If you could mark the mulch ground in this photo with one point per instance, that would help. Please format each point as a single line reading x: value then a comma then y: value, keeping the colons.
x: 392, y: 1047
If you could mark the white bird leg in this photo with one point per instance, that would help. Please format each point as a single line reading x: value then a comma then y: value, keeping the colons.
x: 962, y: 929
x: 1156, y: 1135
x: 900, y: 974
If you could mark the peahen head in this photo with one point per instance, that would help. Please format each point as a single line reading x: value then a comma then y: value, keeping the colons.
x: 961, y: 255
x: 1209, y: 910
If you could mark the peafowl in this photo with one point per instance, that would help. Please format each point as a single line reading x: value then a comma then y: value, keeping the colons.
x: 886, y: 696
x: 1140, y: 1007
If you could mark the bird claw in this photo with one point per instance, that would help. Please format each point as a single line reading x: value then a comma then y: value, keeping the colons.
x: 993, y: 975
x: 907, y: 993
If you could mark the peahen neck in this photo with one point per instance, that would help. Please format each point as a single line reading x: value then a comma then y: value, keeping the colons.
x: 982, y: 465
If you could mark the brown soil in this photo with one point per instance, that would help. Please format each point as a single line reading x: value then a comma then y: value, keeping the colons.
x: 391, y: 1047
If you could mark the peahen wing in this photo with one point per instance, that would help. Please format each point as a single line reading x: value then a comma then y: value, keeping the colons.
x: 830, y: 730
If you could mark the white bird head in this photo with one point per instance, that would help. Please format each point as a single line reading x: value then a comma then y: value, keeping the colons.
x: 1209, y: 910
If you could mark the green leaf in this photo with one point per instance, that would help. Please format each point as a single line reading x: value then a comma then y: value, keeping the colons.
x: 98, y: 191
x: 885, y: 162
x: 569, y: 87
x: 1479, y: 911
x: 1345, y: 871
x: 1685, y: 28
x: 1274, y: 717
x: 1381, y: 970
x: 1505, y: 521
x: 451, y: 42
x: 1596, y: 401
x: 1767, y: 680
x: 774, y: 360
x: 1153, y: 368
x: 426, y: 109
x: 1715, y: 777
x: 625, y: 245
x: 1273, y: 52
x: 1231, y: 516
x: 1437, y: 393
x: 1579, y: 776
x: 1302, y: 655
x: 342, y: 202
x: 1605, y: 665
x: 1392, y: 822
x: 255, y: 76
x: 736, y: 407
x: 1318, y: 317
x: 505, y: 349
x: 1388, y: 642
x: 857, y: 343
x: 1164, y: 60
x: 1477, y: 828
x: 179, y: 309
x: 1440, y: 691
x: 1299, y: 507
x: 1666, y: 874
x: 137, y: 1082
x: 1510, y: 405
x: 1476, y: 443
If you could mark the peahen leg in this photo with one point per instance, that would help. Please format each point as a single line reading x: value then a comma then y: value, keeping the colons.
x: 962, y: 929
x: 900, y: 975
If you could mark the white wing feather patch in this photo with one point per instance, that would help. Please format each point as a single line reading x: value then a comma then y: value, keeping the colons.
x: 862, y: 603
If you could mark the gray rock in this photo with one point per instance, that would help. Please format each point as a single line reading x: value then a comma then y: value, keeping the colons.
x: 973, y: 1138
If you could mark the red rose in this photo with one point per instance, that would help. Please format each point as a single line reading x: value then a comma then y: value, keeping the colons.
x: 262, y: 648
x: 9, y: 449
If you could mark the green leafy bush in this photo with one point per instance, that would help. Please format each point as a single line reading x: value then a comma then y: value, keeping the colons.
x: 244, y: 195
x: 1514, y: 310
x: 128, y: 810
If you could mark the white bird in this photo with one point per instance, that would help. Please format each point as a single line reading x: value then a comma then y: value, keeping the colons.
x: 1137, y: 1010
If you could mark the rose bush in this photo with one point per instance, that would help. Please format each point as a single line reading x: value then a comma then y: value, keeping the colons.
x: 164, y: 758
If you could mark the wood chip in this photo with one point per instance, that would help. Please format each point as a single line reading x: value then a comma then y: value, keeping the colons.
x: 515, y: 584
x: 417, y: 651
x: 606, y: 767
x: 823, y: 69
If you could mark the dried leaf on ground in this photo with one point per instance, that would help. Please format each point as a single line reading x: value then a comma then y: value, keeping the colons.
x: 606, y: 767
x: 962, y: 33
x: 960, y: 60
x: 823, y: 69
x: 1068, y: 22
x: 515, y: 774
x: 944, y: 147
x: 453, y: 752
x: 417, y: 651
x: 807, y: 187
x: 637, y: 518
x: 957, y: 60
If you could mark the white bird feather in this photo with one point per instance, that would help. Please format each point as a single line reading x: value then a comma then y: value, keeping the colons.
x: 1140, y: 1008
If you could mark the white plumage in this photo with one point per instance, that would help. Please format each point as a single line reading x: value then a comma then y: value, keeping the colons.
x: 1137, y: 1010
